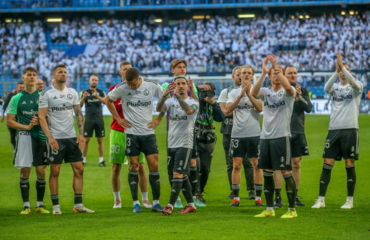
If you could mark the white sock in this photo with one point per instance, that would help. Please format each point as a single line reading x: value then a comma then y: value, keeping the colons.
x: 321, y: 198
x: 84, y: 159
x: 192, y: 204
x: 56, y: 206
x: 136, y: 202
x: 26, y: 204
x: 78, y: 205
x: 350, y: 199
x: 101, y: 159
x: 117, y: 196
x: 257, y: 198
x: 144, y: 196
x: 179, y: 198
x: 155, y: 202
x: 39, y: 203
x: 170, y: 205
x: 270, y: 208
x: 237, y: 198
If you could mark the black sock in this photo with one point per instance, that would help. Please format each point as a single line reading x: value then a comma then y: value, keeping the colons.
x: 193, y: 178
x: 351, y: 180
x: 155, y: 184
x: 235, y: 188
x: 259, y: 188
x: 278, y: 193
x: 175, y: 190
x: 325, y: 179
x: 40, y: 189
x: 170, y: 177
x: 290, y: 189
x: 186, y: 190
x: 269, y: 188
x: 55, y: 199
x: 296, y: 193
x: 78, y: 198
x: 133, y: 181
x: 24, y: 184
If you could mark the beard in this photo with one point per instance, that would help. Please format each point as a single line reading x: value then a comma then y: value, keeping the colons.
x: 92, y: 86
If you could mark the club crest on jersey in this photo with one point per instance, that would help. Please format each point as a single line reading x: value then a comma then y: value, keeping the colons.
x: 280, y: 94
x: 69, y: 96
x: 146, y: 92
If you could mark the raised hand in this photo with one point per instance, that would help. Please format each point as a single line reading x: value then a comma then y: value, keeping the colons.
x: 298, y: 91
x: 339, y: 60
x: 264, y: 66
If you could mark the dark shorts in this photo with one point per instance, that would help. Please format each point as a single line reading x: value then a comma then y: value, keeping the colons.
x: 68, y: 151
x: 342, y: 144
x: 30, y: 151
x: 241, y: 146
x: 146, y: 144
x: 92, y: 125
x: 178, y: 160
x: 275, y: 154
x: 298, y: 145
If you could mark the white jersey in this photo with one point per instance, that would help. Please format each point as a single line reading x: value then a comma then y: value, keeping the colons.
x: 246, y: 118
x: 60, y: 111
x: 181, y: 126
x: 277, y: 113
x: 345, y: 106
x: 137, y: 105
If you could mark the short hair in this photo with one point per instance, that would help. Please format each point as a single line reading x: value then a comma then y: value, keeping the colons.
x: 19, y: 83
x: 178, y: 77
x: 176, y: 62
x: 247, y: 66
x: 28, y: 69
x: 278, y: 66
x: 132, y: 74
x: 235, y: 69
x: 213, y: 87
x: 124, y: 63
x: 59, y: 66
x: 287, y: 66
x: 94, y: 75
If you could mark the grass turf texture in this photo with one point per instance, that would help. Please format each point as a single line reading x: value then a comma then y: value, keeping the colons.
x: 217, y: 221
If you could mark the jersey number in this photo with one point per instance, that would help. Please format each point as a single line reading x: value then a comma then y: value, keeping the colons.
x: 115, y: 149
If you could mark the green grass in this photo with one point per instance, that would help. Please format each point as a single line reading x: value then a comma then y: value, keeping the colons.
x: 217, y: 221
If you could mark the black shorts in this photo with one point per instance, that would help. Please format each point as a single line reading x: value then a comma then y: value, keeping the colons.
x: 178, y: 160
x: 275, y: 154
x: 298, y: 145
x: 92, y: 125
x: 68, y: 151
x: 141, y: 143
x: 241, y: 146
x: 342, y: 144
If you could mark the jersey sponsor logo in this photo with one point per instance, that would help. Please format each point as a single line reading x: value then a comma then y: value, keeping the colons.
x: 178, y: 118
x: 137, y: 92
x: 24, y: 133
x: 275, y: 105
x: 139, y: 104
x: 246, y: 106
x: 64, y: 108
x: 93, y: 100
x: 29, y: 112
x: 342, y: 98
x: 62, y: 96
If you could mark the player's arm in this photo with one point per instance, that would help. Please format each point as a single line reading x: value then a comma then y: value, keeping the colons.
x: 222, y: 99
x: 256, y: 90
x: 357, y: 86
x: 256, y: 103
x: 101, y: 98
x: 80, y: 124
x: 45, y: 128
x: 161, y: 107
x: 184, y: 106
x: 192, y: 87
x: 283, y: 80
x: 5, y: 106
x: 11, y: 122
x: 83, y: 98
x: 233, y: 102
x: 329, y: 84
x: 304, y: 101
x: 112, y: 109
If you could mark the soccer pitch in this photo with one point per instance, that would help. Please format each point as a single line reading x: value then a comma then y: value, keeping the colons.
x: 216, y: 221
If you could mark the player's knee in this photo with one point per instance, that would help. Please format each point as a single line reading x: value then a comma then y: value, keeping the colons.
x: 87, y: 140
x: 134, y: 167
x: 237, y: 166
x: 153, y: 167
x: 100, y: 141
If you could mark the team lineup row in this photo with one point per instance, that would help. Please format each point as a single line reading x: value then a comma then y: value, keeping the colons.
x: 45, y: 120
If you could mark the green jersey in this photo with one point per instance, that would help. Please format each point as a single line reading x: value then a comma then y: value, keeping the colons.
x: 25, y: 105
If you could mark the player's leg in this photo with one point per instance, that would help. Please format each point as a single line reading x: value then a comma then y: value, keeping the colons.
x: 229, y: 161
x: 278, y: 179
x: 258, y: 181
x: 40, y: 155
x: 235, y: 178
x: 117, y: 143
x: 133, y: 149
x: 100, y: 134
x: 24, y: 185
x: 88, y: 133
x: 143, y: 182
x: 248, y: 173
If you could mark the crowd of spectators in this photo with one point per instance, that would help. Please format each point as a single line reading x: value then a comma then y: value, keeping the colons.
x: 214, y: 45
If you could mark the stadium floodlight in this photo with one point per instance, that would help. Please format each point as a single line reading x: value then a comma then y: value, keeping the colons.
x: 100, y: 21
x: 301, y: 17
x: 292, y: 17
x: 199, y: 17
x: 158, y: 20
x: 54, y: 20
x: 246, y: 15
x: 8, y: 20
x: 307, y: 16
x: 343, y: 12
x: 351, y: 12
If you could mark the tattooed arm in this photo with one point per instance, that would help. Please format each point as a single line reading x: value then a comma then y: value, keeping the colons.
x: 184, y: 106
x: 80, y: 124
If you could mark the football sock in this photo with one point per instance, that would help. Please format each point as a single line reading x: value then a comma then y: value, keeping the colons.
x: 186, y: 189
x: 101, y: 159
x: 117, y: 196
x: 325, y: 179
x: 78, y: 199
x: 24, y: 184
x: 155, y: 184
x: 269, y: 188
x: 259, y: 188
x: 55, y: 199
x: 235, y: 188
x: 40, y: 189
x: 133, y: 180
x: 351, y: 180
x: 144, y: 196
x: 193, y: 178
x: 290, y: 189
x: 278, y: 193
x: 175, y: 190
